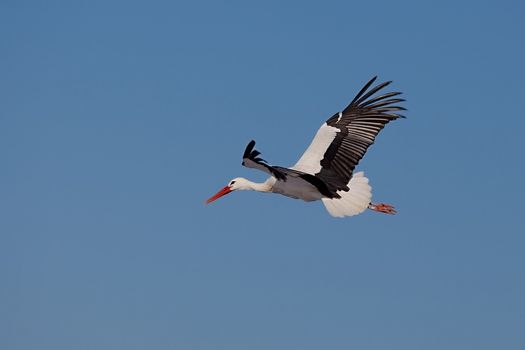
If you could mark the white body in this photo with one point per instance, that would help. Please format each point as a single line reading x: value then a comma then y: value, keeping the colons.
x: 296, y: 188
x: 352, y: 202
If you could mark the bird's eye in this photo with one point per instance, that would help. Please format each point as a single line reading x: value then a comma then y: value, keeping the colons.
x: 231, y: 183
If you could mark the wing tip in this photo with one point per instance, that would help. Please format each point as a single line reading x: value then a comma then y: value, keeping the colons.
x: 248, y: 149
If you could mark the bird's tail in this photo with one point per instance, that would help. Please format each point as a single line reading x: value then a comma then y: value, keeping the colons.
x: 354, y: 201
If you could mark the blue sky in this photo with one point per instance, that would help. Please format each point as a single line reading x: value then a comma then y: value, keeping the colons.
x: 118, y: 119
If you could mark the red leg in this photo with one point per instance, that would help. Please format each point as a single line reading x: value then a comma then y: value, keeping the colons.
x: 382, y: 208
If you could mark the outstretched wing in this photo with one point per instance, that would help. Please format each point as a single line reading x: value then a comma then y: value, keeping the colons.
x: 251, y: 159
x: 343, y: 139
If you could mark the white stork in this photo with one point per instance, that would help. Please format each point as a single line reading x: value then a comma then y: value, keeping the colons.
x: 326, y: 169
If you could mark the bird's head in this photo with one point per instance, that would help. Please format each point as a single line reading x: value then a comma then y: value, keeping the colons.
x: 239, y: 183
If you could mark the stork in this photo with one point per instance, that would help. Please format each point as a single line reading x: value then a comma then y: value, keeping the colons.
x: 326, y: 169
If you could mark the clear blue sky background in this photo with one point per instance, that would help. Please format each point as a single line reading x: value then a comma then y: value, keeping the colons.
x: 119, y: 118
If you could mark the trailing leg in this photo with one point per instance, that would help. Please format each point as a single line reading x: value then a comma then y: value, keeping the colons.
x: 382, y: 208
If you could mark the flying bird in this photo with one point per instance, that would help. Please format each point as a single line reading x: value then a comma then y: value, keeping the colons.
x: 326, y: 169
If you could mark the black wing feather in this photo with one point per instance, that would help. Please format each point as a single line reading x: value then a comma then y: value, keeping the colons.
x: 248, y: 150
x: 358, y: 124
x: 252, y: 154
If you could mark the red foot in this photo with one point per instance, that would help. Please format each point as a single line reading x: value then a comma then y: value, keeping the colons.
x: 382, y: 208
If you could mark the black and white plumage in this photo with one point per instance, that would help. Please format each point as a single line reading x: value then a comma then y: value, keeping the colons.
x: 326, y: 169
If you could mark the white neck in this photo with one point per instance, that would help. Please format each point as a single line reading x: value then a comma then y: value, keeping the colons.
x: 260, y: 187
x: 254, y: 186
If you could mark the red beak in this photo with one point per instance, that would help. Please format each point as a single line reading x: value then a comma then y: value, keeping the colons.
x: 219, y: 194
